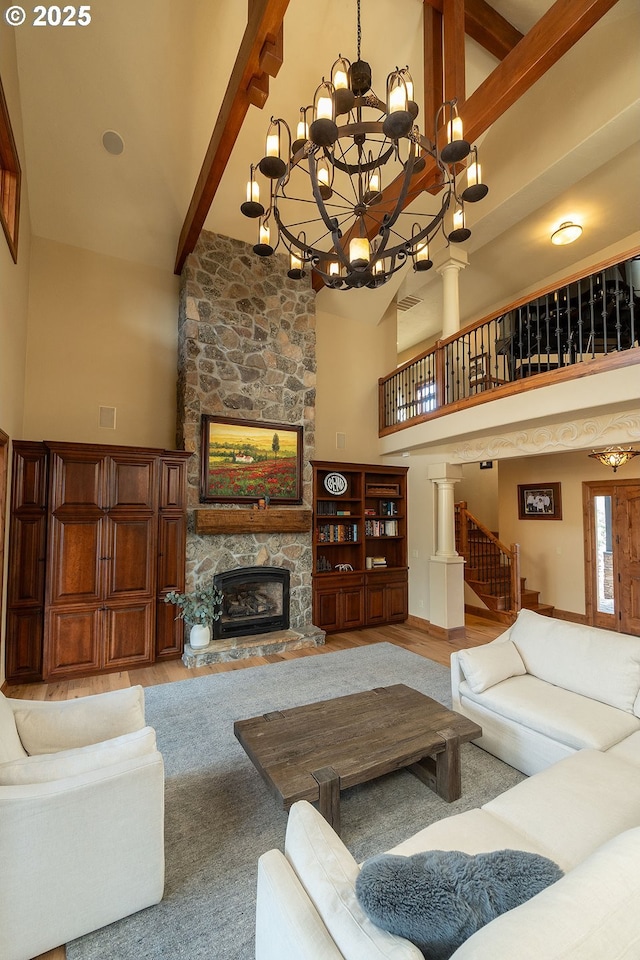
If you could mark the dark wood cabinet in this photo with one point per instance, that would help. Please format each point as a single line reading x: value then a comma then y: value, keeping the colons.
x: 27, y: 562
x: 114, y: 530
x: 360, y: 568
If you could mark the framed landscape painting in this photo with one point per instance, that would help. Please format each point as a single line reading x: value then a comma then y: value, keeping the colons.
x: 540, y: 501
x: 245, y: 461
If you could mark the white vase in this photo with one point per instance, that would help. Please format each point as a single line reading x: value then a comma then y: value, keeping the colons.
x: 200, y: 636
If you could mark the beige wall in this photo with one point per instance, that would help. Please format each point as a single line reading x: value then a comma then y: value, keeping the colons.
x: 14, y: 294
x: 14, y: 278
x: 480, y: 490
x: 102, y: 331
x: 552, y: 551
x: 350, y: 357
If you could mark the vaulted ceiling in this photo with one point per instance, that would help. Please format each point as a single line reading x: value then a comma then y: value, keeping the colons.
x: 157, y: 72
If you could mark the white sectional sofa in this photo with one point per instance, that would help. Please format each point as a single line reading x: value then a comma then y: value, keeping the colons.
x: 583, y: 813
x: 558, y: 701
x: 546, y: 688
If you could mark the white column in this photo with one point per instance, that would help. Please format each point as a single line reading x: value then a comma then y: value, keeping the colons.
x: 449, y: 269
x: 446, y: 567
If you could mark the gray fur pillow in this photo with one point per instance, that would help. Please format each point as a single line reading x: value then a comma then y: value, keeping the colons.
x: 438, y: 898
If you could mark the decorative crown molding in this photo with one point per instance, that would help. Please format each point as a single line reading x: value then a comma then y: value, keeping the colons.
x: 623, y: 428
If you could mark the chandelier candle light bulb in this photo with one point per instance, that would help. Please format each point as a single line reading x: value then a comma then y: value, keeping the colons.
x: 324, y: 109
x: 359, y: 252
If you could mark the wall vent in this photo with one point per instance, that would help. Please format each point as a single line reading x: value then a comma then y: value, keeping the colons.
x: 407, y: 302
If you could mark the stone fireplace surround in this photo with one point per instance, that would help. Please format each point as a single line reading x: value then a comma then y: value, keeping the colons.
x: 246, y: 349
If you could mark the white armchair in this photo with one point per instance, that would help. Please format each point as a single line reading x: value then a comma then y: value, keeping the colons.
x: 81, y: 818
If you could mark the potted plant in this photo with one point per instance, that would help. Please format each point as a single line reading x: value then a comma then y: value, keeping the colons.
x: 199, y: 609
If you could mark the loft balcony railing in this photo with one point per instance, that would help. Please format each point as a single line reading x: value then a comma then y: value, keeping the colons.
x: 587, y: 324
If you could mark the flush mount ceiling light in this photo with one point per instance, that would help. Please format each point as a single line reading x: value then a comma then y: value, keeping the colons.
x: 348, y: 231
x: 567, y: 232
x: 614, y: 456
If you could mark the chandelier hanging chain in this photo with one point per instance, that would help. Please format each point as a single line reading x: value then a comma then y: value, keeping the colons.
x: 338, y: 162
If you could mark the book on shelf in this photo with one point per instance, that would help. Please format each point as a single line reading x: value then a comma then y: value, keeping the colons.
x: 381, y: 528
x: 326, y: 508
x: 337, y: 532
x: 378, y: 562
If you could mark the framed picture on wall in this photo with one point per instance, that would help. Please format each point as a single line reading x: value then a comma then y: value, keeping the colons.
x: 539, y: 501
x: 243, y: 461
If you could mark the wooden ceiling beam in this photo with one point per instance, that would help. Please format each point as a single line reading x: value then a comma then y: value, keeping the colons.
x: 557, y: 31
x: 433, y: 67
x: 260, y: 53
x: 454, y: 58
x: 485, y: 25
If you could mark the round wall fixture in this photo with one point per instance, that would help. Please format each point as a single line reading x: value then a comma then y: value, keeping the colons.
x: 112, y: 142
x: 567, y: 232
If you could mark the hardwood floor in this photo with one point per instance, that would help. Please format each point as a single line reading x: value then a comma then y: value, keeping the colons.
x: 419, y: 641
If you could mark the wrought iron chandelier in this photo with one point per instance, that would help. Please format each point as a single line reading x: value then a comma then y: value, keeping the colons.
x: 614, y: 456
x: 353, y: 237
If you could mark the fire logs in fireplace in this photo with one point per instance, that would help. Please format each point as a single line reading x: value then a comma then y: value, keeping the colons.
x: 256, y: 600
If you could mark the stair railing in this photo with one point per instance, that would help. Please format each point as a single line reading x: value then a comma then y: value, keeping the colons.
x: 489, y: 558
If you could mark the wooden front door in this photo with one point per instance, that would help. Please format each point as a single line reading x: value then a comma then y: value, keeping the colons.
x: 612, y: 554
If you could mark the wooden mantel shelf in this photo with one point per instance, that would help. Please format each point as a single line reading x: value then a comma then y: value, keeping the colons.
x: 279, y: 520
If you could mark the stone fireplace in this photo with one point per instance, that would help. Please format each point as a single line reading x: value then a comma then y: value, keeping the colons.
x: 246, y: 349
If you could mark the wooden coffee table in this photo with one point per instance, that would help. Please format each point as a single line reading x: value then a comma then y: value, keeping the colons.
x: 316, y: 751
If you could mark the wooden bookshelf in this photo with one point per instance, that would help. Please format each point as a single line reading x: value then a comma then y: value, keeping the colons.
x: 360, y: 570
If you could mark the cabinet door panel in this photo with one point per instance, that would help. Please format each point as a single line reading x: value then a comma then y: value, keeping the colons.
x: 24, y: 645
x: 27, y: 564
x: 375, y: 604
x: 397, y: 601
x: 74, y: 561
x: 128, y: 639
x: 172, y: 484
x: 132, y: 482
x: 72, y: 642
x: 29, y: 477
x: 131, y: 551
x: 77, y: 480
x: 352, y: 612
x: 171, y: 547
x: 326, y: 615
x: 169, y: 631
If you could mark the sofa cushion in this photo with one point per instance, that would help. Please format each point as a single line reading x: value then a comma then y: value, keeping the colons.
x: 474, y: 831
x: 46, y: 767
x: 287, y: 923
x: 574, y: 806
x: 567, y: 717
x: 487, y: 665
x: 328, y: 873
x: 596, y: 663
x: 590, y: 914
x: 10, y: 745
x: 628, y: 749
x: 51, y: 727
x: 438, y: 899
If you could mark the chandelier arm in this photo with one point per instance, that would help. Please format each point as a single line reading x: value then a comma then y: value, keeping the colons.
x: 309, y: 251
x: 352, y: 168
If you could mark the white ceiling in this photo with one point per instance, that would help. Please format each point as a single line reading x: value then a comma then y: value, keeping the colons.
x: 156, y: 71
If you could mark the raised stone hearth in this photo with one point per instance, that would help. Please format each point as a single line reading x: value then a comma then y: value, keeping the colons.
x: 262, y: 645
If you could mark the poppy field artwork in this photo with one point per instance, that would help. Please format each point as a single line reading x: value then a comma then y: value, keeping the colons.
x: 244, y: 461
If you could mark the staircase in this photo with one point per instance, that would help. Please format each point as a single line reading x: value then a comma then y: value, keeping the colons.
x: 492, y: 569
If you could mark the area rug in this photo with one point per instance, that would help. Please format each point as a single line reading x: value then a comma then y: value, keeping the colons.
x: 220, y: 816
